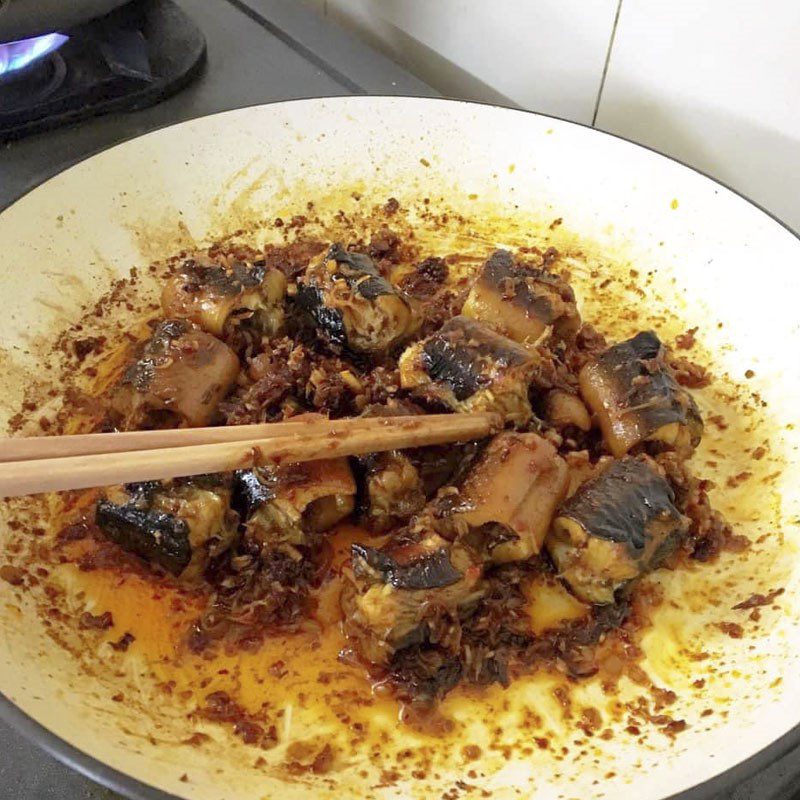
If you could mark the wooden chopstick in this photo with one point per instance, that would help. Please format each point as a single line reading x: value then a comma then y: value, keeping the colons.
x: 316, y: 440
x: 40, y: 447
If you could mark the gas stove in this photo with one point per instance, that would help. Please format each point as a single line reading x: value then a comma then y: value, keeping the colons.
x: 149, y: 59
x: 128, y: 59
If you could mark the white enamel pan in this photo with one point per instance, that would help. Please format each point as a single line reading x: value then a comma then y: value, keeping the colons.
x: 718, y: 262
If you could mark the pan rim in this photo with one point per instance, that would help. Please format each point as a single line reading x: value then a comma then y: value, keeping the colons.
x: 130, y: 787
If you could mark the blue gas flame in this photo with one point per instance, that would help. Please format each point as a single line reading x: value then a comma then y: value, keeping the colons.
x: 17, y: 55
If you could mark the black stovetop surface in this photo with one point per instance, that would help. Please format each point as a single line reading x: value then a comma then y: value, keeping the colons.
x: 129, y: 59
x: 258, y: 51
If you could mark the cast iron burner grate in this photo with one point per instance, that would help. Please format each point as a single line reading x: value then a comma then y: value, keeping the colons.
x: 129, y: 59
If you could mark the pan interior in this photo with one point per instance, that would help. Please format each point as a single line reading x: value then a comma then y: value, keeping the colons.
x: 649, y: 243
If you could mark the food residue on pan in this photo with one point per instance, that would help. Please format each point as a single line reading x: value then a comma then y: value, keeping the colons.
x: 522, y: 647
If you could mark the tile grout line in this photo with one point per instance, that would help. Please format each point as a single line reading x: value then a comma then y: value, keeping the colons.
x: 607, y: 62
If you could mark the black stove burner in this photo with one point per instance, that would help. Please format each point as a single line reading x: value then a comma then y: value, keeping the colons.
x: 130, y: 59
x: 32, y: 85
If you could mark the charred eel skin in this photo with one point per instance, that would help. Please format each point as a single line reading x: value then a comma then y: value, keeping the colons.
x: 430, y: 571
x: 154, y: 536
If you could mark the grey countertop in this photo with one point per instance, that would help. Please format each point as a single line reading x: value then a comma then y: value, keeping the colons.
x: 258, y: 51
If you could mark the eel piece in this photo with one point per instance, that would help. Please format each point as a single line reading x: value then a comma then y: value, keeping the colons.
x: 180, y: 378
x: 466, y: 366
x: 635, y: 398
x: 521, y: 301
x: 615, y: 528
x: 352, y: 304
x: 218, y: 299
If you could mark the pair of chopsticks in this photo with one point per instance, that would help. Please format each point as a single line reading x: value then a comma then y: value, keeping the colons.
x: 61, y: 463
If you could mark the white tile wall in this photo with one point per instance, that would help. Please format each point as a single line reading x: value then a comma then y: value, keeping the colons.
x: 542, y: 54
x: 715, y: 83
